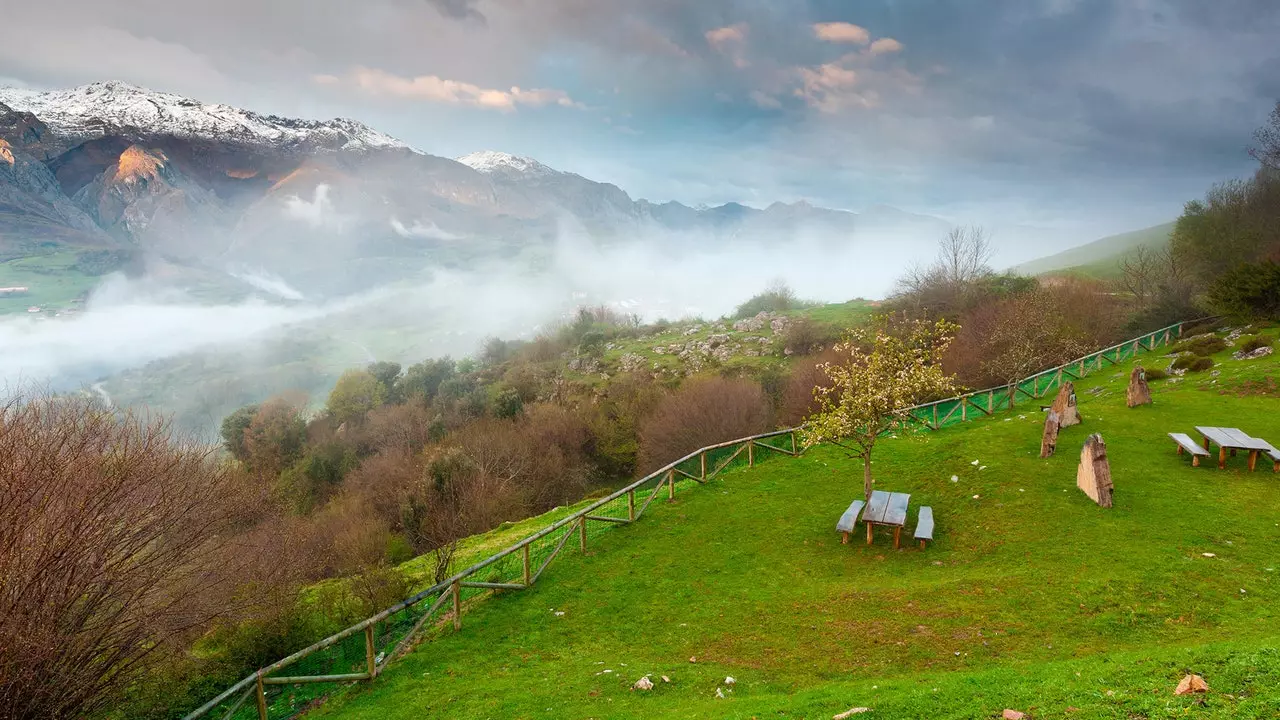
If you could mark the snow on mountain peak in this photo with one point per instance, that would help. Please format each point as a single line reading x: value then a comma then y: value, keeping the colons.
x: 492, y: 161
x: 82, y: 113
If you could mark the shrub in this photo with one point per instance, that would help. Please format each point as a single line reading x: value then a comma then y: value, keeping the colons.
x: 1193, y: 363
x: 702, y: 412
x: 802, y: 336
x: 778, y: 297
x: 233, y: 429
x: 1201, y: 364
x: 1156, y: 374
x: 1200, y: 329
x: 1203, y: 345
x: 1256, y: 342
x: 114, y: 552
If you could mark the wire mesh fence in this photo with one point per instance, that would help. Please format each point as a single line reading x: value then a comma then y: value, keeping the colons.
x: 360, y: 652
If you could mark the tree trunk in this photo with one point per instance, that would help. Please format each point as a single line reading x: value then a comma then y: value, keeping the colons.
x: 866, y: 477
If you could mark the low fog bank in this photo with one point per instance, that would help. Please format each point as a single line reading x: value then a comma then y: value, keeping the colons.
x: 138, y: 342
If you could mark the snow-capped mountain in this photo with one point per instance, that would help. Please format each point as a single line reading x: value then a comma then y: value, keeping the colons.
x: 492, y: 162
x: 325, y: 205
x: 104, y: 108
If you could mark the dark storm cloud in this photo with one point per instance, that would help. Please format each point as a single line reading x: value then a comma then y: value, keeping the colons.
x: 951, y: 103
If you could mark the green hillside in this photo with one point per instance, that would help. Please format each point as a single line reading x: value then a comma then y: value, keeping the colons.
x: 1100, y: 258
x: 1032, y: 597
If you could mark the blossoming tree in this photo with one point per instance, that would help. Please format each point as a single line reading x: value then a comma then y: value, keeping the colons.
x: 883, y: 371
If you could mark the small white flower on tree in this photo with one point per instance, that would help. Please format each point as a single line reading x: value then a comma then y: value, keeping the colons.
x: 883, y: 371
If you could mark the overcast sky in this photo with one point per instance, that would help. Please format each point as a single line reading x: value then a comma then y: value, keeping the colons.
x: 1108, y: 114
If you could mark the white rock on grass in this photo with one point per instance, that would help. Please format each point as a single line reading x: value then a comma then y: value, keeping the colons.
x: 643, y: 683
x: 729, y: 681
x: 955, y: 478
x: 850, y: 713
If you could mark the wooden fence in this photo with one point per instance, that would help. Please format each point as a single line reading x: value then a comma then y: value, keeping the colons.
x: 359, y: 652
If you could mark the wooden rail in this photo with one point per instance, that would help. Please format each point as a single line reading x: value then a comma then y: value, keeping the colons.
x: 450, y: 588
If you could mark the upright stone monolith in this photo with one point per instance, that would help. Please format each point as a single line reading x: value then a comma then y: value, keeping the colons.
x: 1094, y: 475
x: 1049, y: 440
x: 1065, y: 405
x: 1138, y: 393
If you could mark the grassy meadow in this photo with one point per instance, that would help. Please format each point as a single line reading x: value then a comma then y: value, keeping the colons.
x: 1031, y: 598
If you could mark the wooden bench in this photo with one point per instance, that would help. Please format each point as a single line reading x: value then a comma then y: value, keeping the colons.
x: 848, y: 520
x: 1186, y: 444
x: 1274, y: 454
x: 924, y: 526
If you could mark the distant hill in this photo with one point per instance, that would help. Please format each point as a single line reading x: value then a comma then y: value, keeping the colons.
x: 1100, y: 258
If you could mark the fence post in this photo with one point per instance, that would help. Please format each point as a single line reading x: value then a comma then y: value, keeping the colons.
x: 457, y: 605
x: 368, y: 651
x: 582, y: 532
x: 671, y: 486
x: 991, y: 402
x: 751, y: 453
x: 262, y: 699
x: 964, y: 408
x: 631, y: 506
x: 935, y: 416
x: 702, y: 459
x: 793, y: 442
x: 527, y: 583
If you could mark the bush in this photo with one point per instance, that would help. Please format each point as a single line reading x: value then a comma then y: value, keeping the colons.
x: 1201, y: 364
x: 1204, y: 345
x: 113, y: 552
x: 802, y: 336
x: 1193, y: 363
x: 776, y: 298
x: 1156, y: 374
x: 1256, y: 342
x: 702, y: 412
x: 1200, y: 329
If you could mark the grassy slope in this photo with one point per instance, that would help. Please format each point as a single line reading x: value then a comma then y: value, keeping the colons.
x: 53, y: 279
x: 1032, y: 597
x: 1099, y: 258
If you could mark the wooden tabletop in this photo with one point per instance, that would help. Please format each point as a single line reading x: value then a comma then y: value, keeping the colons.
x: 1231, y: 438
x: 887, y: 508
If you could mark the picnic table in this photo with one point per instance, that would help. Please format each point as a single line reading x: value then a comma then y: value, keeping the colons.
x: 888, y: 509
x: 1231, y: 440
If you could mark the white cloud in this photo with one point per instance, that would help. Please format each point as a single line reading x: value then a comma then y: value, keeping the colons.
x: 885, y: 45
x: 319, y: 212
x: 730, y: 41
x: 430, y: 230
x: 267, y: 281
x: 842, y: 32
x: 433, y: 88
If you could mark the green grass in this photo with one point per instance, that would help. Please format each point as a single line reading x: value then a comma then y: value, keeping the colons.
x: 53, y: 279
x: 1100, y: 258
x: 1032, y: 597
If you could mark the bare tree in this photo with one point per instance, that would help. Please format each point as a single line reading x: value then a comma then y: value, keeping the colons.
x: 1140, y: 273
x: 1267, y: 137
x: 114, y: 547
x: 964, y: 255
x: 944, y: 286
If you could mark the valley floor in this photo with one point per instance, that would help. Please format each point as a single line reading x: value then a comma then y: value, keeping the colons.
x: 1032, y: 598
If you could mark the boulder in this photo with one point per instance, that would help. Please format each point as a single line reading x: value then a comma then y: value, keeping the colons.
x: 1065, y: 405
x: 1049, y: 440
x: 1191, y: 684
x: 1138, y: 393
x: 1094, y: 473
x: 643, y: 683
